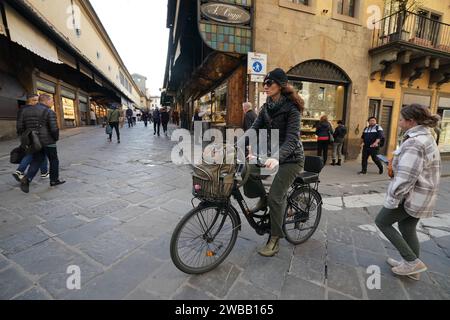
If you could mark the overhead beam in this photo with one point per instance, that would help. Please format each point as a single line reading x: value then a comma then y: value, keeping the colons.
x: 439, y: 76
x: 415, y: 69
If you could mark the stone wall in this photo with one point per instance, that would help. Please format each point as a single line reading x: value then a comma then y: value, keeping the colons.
x: 291, y: 37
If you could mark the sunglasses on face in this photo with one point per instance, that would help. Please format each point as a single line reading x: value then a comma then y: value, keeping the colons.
x: 269, y: 83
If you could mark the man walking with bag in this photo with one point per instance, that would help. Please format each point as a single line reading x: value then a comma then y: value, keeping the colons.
x: 42, y: 120
x: 32, y: 101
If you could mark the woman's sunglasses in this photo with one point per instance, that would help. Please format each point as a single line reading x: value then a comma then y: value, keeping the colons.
x: 269, y: 82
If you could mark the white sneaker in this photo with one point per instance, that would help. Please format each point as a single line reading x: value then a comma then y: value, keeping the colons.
x: 45, y: 175
x: 18, y: 176
x: 410, y: 268
x: 394, y: 263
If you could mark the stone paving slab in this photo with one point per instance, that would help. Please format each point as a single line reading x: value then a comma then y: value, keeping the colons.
x: 115, y: 216
x: 12, y: 283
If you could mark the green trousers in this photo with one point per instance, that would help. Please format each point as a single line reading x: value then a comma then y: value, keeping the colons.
x: 406, y: 242
x: 277, y: 198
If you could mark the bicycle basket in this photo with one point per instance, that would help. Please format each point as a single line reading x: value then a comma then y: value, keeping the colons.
x: 213, y: 181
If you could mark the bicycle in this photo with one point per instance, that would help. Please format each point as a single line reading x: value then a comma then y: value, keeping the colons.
x: 204, y: 238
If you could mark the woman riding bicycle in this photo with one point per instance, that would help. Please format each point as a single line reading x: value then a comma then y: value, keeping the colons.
x: 281, y: 112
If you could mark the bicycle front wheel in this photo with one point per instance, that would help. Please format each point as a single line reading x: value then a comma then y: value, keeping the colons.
x: 303, y: 215
x: 204, y: 238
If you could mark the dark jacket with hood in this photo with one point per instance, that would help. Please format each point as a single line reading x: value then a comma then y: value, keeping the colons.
x: 249, y: 119
x: 42, y: 119
x: 286, y: 118
x: 324, y: 129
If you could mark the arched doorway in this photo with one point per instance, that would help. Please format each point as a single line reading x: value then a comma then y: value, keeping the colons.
x: 324, y: 87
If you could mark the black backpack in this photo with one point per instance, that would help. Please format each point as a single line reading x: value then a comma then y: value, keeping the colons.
x: 29, y: 140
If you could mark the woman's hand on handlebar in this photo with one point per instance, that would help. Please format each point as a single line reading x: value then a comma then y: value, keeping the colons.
x: 271, y: 164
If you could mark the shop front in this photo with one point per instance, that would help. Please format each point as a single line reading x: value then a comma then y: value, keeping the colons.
x: 100, y: 111
x: 214, y: 79
x: 444, y: 136
x: 48, y: 88
x: 213, y: 107
x: 68, y: 106
x: 84, y: 110
x: 324, y: 88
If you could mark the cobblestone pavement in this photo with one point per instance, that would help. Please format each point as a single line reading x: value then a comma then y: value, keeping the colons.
x: 115, y: 216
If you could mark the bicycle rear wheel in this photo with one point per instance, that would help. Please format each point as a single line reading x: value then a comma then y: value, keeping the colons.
x: 204, y: 238
x: 303, y: 215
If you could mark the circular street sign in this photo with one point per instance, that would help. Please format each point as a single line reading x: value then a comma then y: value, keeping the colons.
x: 257, y: 67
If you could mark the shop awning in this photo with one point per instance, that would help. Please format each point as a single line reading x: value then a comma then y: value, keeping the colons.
x: 214, y: 70
x: 25, y: 34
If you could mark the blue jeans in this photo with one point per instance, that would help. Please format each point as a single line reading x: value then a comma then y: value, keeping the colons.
x: 26, y: 161
x: 48, y: 152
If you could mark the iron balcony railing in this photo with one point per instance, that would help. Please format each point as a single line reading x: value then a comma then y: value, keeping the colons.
x: 413, y: 28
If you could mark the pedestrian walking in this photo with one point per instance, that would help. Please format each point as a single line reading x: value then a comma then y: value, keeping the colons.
x: 339, y: 136
x: 32, y: 100
x: 324, y: 132
x: 281, y: 112
x: 372, y: 140
x: 113, y: 121
x: 165, y: 118
x: 156, y: 116
x: 249, y: 115
x: 42, y: 119
x: 145, y: 117
x: 129, y: 114
x: 93, y: 118
x: 413, y: 191
x: 135, y: 115
x: 197, y: 117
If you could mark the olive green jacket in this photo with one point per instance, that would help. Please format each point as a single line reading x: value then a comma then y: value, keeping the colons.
x: 113, y: 115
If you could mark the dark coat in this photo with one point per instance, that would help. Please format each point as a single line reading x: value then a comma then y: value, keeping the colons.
x: 287, y: 121
x: 324, y: 129
x: 156, y: 116
x: 339, y: 134
x: 165, y: 117
x: 129, y: 113
x: 41, y: 119
x: 249, y: 119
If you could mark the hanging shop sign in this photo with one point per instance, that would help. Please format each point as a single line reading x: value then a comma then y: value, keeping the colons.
x: 225, y: 13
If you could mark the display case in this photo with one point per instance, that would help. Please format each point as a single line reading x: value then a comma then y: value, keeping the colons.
x: 213, y: 106
x: 320, y: 99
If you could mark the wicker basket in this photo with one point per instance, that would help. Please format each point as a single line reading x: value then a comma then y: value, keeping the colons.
x: 212, y: 189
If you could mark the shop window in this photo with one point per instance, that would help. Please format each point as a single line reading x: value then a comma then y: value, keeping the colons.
x: 69, y: 112
x: 220, y: 105
x: 320, y: 99
x: 444, y: 128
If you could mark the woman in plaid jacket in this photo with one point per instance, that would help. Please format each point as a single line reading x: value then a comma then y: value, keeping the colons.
x: 412, y: 193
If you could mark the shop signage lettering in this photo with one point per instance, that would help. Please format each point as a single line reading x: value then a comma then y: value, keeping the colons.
x: 225, y: 13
